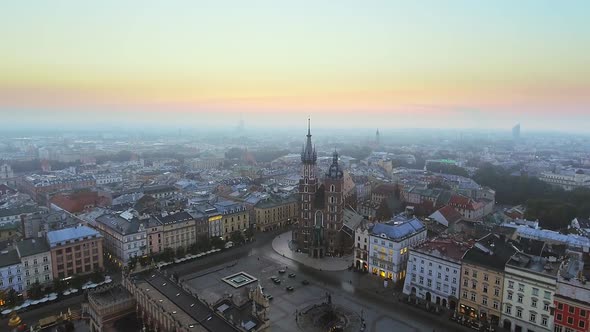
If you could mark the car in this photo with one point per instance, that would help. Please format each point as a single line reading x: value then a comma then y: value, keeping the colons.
x: 269, y: 297
x: 290, y: 288
x: 282, y: 271
x: 276, y: 281
x: 291, y: 275
x: 272, y: 277
x: 305, y: 282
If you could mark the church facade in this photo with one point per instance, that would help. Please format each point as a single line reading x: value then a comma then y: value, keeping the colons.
x: 321, y: 200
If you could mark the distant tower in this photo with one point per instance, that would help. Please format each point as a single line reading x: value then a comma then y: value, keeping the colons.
x: 377, y: 137
x: 516, y: 133
x: 241, y: 125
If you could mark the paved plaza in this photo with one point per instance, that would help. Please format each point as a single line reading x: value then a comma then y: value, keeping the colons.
x: 282, y: 245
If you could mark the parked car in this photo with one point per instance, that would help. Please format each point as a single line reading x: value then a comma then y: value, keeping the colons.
x: 291, y: 275
x: 305, y: 282
x: 276, y: 281
x: 290, y: 288
x: 282, y: 271
x: 269, y: 297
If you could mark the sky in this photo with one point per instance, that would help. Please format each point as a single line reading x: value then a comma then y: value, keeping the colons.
x: 388, y: 64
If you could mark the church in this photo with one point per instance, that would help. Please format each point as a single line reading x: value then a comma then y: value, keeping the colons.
x: 322, y: 204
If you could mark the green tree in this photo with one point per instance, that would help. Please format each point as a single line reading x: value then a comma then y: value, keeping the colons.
x: 203, y: 243
x: 249, y: 233
x: 58, y: 285
x: 168, y: 255
x: 237, y: 237
x: 180, y: 252
x: 35, y: 291
x: 217, y: 242
x: 383, y: 211
x: 96, y: 277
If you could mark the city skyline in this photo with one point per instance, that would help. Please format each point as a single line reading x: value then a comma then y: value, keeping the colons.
x: 380, y: 64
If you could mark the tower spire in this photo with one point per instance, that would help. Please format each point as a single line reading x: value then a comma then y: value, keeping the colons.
x: 308, y: 126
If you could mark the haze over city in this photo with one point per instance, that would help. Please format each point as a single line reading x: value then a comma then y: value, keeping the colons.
x: 294, y: 166
x: 388, y: 64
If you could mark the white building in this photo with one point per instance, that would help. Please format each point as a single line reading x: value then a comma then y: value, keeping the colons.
x: 362, y: 244
x: 108, y: 178
x: 568, y: 180
x: 125, y: 235
x: 434, y: 272
x: 390, y: 243
x: 10, y: 271
x: 36, y: 261
x: 529, y: 285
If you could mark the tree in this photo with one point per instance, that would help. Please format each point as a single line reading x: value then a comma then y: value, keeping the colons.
x: 383, y: 211
x: 249, y: 233
x: 180, y: 252
x: 217, y: 242
x: 237, y: 237
x: 58, y: 285
x: 35, y: 291
x: 12, y: 298
x: 96, y: 277
x: 168, y: 255
x: 203, y: 243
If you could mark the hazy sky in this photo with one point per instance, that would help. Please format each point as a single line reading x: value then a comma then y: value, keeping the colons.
x: 366, y: 63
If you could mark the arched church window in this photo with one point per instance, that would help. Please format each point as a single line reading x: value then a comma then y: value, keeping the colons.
x: 332, y: 188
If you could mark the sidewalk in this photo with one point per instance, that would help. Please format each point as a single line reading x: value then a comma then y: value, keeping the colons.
x: 281, y: 244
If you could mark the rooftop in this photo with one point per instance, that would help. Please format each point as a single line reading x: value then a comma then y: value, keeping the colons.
x: 492, y: 251
x: 69, y: 234
x: 445, y: 248
x: 535, y: 264
x: 398, y: 231
x: 9, y: 258
x: 31, y: 247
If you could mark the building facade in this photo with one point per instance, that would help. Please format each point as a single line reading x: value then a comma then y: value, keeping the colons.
x: 36, y: 261
x: 275, y: 213
x: 235, y: 217
x: 11, y: 271
x: 434, y: 272
x: 125, y: 235
x: 572, y: 297
x: 390, y: 243
x: 362, y: 245
x: 75, y: 250
x: 529, y: 285
x: 482, y: 279
x: 176, y: 230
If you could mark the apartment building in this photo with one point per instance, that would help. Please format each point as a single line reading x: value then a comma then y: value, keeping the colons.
x: 482, y: 279
x: 35, y: 257
x: 75, y: 250
x: 390, y: 243
x: 571, y: 301
x: 434, y: 271
x: 174, y: 230
x: 235, y: 217
x: 11, y: 271
x: 125, y: 235
x: 529, y: 285
x: 275, y: 213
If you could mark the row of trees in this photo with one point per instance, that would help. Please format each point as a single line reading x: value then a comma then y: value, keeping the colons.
x: 553, y: 206
x: 203, y: 244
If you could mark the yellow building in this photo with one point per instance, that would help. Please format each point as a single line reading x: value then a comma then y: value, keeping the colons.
x: 275, y: 213
x: 482, y: 279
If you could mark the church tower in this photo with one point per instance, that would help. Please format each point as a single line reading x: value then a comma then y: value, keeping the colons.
x: 334, y: 206
x: 308, y: 187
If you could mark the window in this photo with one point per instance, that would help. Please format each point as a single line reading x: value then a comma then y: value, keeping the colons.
x: 496, y: 305
x: 485, y: 276
x: 439, y: 275
x: 533, y: 317
x: 581, y: 324
x: 519, y: 312
x: 570, y: 320
x: 496, y: 292
x: 519, y: 298
x: 571, y: 309
x: 558, y: 317
x: 421, y: 280
x: 466, y: 272
x: 546, y: 306
x: 484, y: 301
x: 582, y: 313
x: 547, y: 295
x: 464, y: 294
x: 473, y: 297
x: 511, y: 284
x: 521, y: 287
x: 438, y: 286
x: 465, y: 282
x: 454, y: 280
x: 473, y: 284
x: 560, y: 306
x: 474, y: 274
x: 534, y: 303
x: 544, y: 320
x: 497, y: 281
x: 510, y: 296
x: 429, y: 284
x: 485, y: 288
x: 535, y: 291
x: 508, y: 309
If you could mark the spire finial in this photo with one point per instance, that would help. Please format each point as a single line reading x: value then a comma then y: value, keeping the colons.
x: 308, y: 125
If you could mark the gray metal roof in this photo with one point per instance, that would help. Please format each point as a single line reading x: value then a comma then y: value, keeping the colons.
x: 72, y: 233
